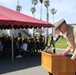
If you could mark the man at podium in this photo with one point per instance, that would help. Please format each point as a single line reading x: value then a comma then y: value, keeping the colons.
x: 70, y: 34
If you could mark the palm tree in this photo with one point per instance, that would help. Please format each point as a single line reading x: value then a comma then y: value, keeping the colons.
x: 33, y: 9
x: 53, y: 11
x: 18, y: 7
x: 41, y: 1
x: 40, y: 29
x: 33, y: 13
x: 34, y: 2
x: 46, y: 4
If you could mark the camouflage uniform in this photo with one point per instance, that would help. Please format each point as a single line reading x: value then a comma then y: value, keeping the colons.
x: 71, y: 37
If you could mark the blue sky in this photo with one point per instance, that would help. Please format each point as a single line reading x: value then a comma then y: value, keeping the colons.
x: 65, y: 8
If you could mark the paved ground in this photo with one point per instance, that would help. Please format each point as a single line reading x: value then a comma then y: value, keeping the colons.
x: 23, y: 66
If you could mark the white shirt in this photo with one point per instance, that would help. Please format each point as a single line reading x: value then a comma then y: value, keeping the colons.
x: 24, y: 46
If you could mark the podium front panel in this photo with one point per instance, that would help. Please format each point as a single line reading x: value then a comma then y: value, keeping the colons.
x: 57, y: 63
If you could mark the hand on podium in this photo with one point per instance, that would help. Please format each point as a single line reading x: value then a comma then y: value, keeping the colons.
x: 58, y: 53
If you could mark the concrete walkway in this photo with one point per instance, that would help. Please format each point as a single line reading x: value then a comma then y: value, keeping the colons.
x: 23, y: 66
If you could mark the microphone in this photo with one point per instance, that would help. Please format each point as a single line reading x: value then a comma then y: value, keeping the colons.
x: 57, y: 39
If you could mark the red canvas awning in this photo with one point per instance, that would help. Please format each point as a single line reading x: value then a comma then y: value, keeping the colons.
x: 9, y: 18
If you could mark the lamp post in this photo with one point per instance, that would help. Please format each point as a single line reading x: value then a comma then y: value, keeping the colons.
x: 53, y: 11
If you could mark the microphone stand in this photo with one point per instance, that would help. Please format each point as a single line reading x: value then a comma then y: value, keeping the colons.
x: 54, y: 50
x: 54, y: 41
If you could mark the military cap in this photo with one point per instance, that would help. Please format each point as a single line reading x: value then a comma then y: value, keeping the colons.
x: 58, y: 23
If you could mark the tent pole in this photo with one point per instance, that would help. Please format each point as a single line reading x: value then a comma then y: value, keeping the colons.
x: 12, y: 43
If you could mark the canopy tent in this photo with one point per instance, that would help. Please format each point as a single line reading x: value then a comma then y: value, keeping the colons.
x: 10, y: 19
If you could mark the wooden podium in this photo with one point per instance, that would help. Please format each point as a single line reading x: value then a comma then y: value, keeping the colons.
x: 57, y: 64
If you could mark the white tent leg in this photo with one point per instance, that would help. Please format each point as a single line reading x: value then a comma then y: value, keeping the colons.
x: 12, y: 44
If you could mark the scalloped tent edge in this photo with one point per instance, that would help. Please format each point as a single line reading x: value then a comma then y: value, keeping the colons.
x: 10, y: 18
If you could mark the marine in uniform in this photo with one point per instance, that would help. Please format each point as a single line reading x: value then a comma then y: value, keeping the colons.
x: 70, y: 33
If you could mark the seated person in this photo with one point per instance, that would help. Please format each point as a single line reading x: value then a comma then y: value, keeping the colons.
x: 24, y: 48
x: 17, y: 49
x: 1, y: 46
x: 31, y: 47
